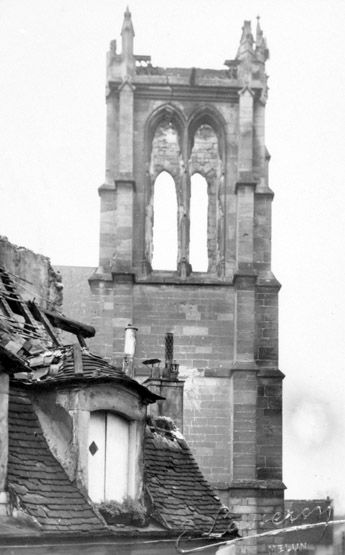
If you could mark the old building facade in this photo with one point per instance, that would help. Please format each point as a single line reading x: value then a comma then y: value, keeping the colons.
x: 177, y: 123
x: 81, y: 464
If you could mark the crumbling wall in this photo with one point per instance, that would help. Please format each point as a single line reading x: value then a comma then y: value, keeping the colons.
x: 33, y: 273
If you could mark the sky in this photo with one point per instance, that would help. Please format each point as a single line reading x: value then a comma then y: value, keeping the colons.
x: 52, y: 145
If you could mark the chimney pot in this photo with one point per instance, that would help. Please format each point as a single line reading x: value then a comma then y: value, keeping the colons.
x: 129, y: 350
x: 169, y: 348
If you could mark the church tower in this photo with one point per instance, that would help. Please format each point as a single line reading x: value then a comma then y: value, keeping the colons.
x: 171, y: 132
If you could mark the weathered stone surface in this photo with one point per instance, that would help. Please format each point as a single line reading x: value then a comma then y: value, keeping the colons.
x: 34, y: 274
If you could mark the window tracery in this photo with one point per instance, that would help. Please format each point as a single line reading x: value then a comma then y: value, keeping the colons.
x: 182, y: 152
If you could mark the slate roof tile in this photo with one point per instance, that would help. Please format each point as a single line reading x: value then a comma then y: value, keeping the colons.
x: 179, y: 492
x: 41, y: 485
x: 94, y: 369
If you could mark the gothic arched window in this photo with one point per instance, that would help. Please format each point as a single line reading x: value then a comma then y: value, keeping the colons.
x: 185, y: 200
x: 205, y: 165
x: 198, y: 255
x: 164, y: 223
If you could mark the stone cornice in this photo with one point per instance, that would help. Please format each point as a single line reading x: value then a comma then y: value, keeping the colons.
x: 268, y: 279
x: 245, y: 278
x: 267, y: 192
x: 100, y: 275
x: 274, y: 373
x: 176, y: 91
x: 122, y: 277
x: 125, y: 181
x: 245, y: 182
x: 106, y: 188
x: 173, y: 278
x: 258, y: 485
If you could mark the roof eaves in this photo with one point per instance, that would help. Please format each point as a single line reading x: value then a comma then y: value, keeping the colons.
x: 79, y: 379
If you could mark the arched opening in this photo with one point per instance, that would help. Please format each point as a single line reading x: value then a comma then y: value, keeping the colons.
x: 164, y: 223
x: 167, y: 115
x: 211, y: 119
x: 108, y: 457
x: 205, y: 161
x: 198, y: 254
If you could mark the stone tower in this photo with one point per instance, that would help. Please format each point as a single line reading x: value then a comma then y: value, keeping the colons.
x: 224, y: 319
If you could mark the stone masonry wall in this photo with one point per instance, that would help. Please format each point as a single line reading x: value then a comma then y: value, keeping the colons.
x: 269, y: 404
x: 207, y: 418
x: 269, y: 429
x: 201, y: 319
x: 254, y: 507
x: 33, y: 274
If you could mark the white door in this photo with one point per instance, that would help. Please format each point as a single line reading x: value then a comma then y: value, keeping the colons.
x: 97, y: 450
x: 108, y: 457
x: 116, y: 465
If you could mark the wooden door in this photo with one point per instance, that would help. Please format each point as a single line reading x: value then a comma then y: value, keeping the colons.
x: 108, y: 457
x: 97, y: 451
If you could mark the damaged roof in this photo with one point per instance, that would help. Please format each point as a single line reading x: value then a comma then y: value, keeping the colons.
x: 181, y: 496
x: 71, y: 365
x: 30, y: 342
x: 31, y: 352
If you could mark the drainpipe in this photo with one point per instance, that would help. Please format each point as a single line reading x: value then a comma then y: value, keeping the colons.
x: 129, y: 350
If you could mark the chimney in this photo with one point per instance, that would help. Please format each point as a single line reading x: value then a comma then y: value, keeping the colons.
x: 167, y: 385
x: 129, y: 350
x: 4, y: 390
x: 171, y: 367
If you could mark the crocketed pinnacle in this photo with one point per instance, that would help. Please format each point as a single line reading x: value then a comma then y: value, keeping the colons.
x: 261, y: 49
x: 127, y: 25
x: 247, y: 41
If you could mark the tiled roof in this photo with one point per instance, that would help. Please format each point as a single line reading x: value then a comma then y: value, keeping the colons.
x: 62, y: 370
x: 31, y: 348
x: 181, y: 497
x: 93, y: 367
x: 41, y: 486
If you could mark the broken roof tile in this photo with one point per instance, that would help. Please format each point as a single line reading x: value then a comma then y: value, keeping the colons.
x: 180, y: 494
